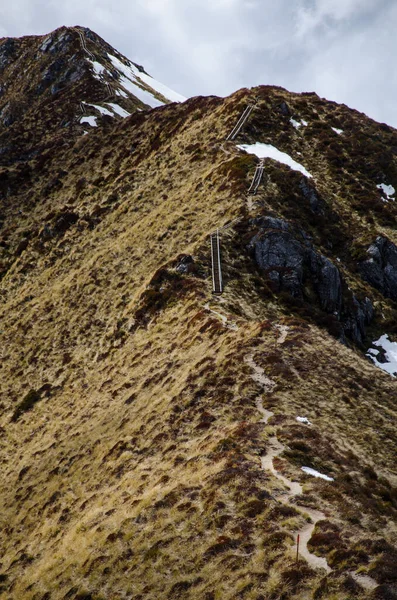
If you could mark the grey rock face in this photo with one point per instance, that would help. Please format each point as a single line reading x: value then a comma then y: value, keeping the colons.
x: 7, y: 50
x: 357, y: 318
x: 327, y: 282
x: 380, y: 269
x: 286, y: 261
x: 46, y: 43
x: 7, y: 116
x: 316, y: 205
x: 281, y: 256
x: 56, y: 76
x: 293, y: 265
x: 55, y: 42
x: 270, y: 223
x: 284, y: 109
x: 185, y: 265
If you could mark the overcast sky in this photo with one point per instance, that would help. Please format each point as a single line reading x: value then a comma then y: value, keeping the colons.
x: 344, y: 50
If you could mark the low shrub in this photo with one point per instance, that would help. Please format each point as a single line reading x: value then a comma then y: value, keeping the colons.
x: 31, y: 398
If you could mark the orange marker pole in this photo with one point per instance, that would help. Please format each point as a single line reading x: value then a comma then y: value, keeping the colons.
x: 297, y: 548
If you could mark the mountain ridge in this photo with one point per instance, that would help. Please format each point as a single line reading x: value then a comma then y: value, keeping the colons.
x: 133, y: 432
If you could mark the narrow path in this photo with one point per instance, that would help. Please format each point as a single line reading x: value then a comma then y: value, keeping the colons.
x: 293, y: 488
x: 283, y: 329
x: 259, y: 375
x: 83, y: 44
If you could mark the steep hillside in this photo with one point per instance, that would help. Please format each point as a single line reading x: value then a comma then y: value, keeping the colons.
x: 152, y: 434
x: 57, y: 86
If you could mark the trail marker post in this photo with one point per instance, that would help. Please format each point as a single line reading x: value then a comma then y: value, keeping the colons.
x: 297, y: 548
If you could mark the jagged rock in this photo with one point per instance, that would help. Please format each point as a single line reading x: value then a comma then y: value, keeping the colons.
x: 270, y: 223
x: 380, y: 269
x: 90, y: 34
x: 50, y: 74
x: 45, y: 46
x: 7, y: 50
x: 316, y: 205
x: 288, y: 262
x: 293, y: 265
x: 282, y: 258
x: 360, y: 315
x: 327, y: 282
x: 7, y: 115
x: 284, y: 109
x: 59, y: 42
x: 185, y: 264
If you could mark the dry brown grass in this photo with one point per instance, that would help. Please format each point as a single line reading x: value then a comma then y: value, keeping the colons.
x: 138, y: 475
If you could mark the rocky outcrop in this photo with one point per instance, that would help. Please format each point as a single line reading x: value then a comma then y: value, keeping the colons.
x: 326, y: 280
x: 316, y: 204
x: 282, y: 257
x: 292, y: 265
x: 356, y: 318
x: 7, y: 51
x: 284, y: 109
x: 380, y: 269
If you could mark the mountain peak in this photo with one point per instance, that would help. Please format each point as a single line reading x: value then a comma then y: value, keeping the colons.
x: 70, y: 79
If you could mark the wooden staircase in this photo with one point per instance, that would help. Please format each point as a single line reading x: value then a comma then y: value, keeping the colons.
x: 237, y: 128
x: 257, y: 178
x: 217, y: 283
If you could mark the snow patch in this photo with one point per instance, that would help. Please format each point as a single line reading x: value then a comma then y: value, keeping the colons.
x: 388, y: 191
x: 161, y: 88
x: 102, y: 110
x: 269, y: 151
x: 118, y: 110
x: 314, y: 473
x: 298, y: 124
x: 304, y: 420
x: 373, y: 351
x: 90, y: 120
x: 338, y: 131
x: 390, y: 354
x: 98, y: 68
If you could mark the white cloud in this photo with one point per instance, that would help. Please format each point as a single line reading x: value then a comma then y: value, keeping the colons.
x: 328, y: 13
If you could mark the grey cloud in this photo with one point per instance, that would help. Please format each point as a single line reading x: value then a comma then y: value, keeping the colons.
x: 342, y: 49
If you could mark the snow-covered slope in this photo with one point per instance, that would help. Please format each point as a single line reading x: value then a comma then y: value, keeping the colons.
x: 143, y: 86
x: 126, y: 79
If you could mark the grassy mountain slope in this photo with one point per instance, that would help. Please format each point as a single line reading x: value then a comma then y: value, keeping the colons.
x: 131, y: 438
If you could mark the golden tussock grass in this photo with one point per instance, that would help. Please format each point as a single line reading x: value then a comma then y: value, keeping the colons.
x: 137, y: 474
